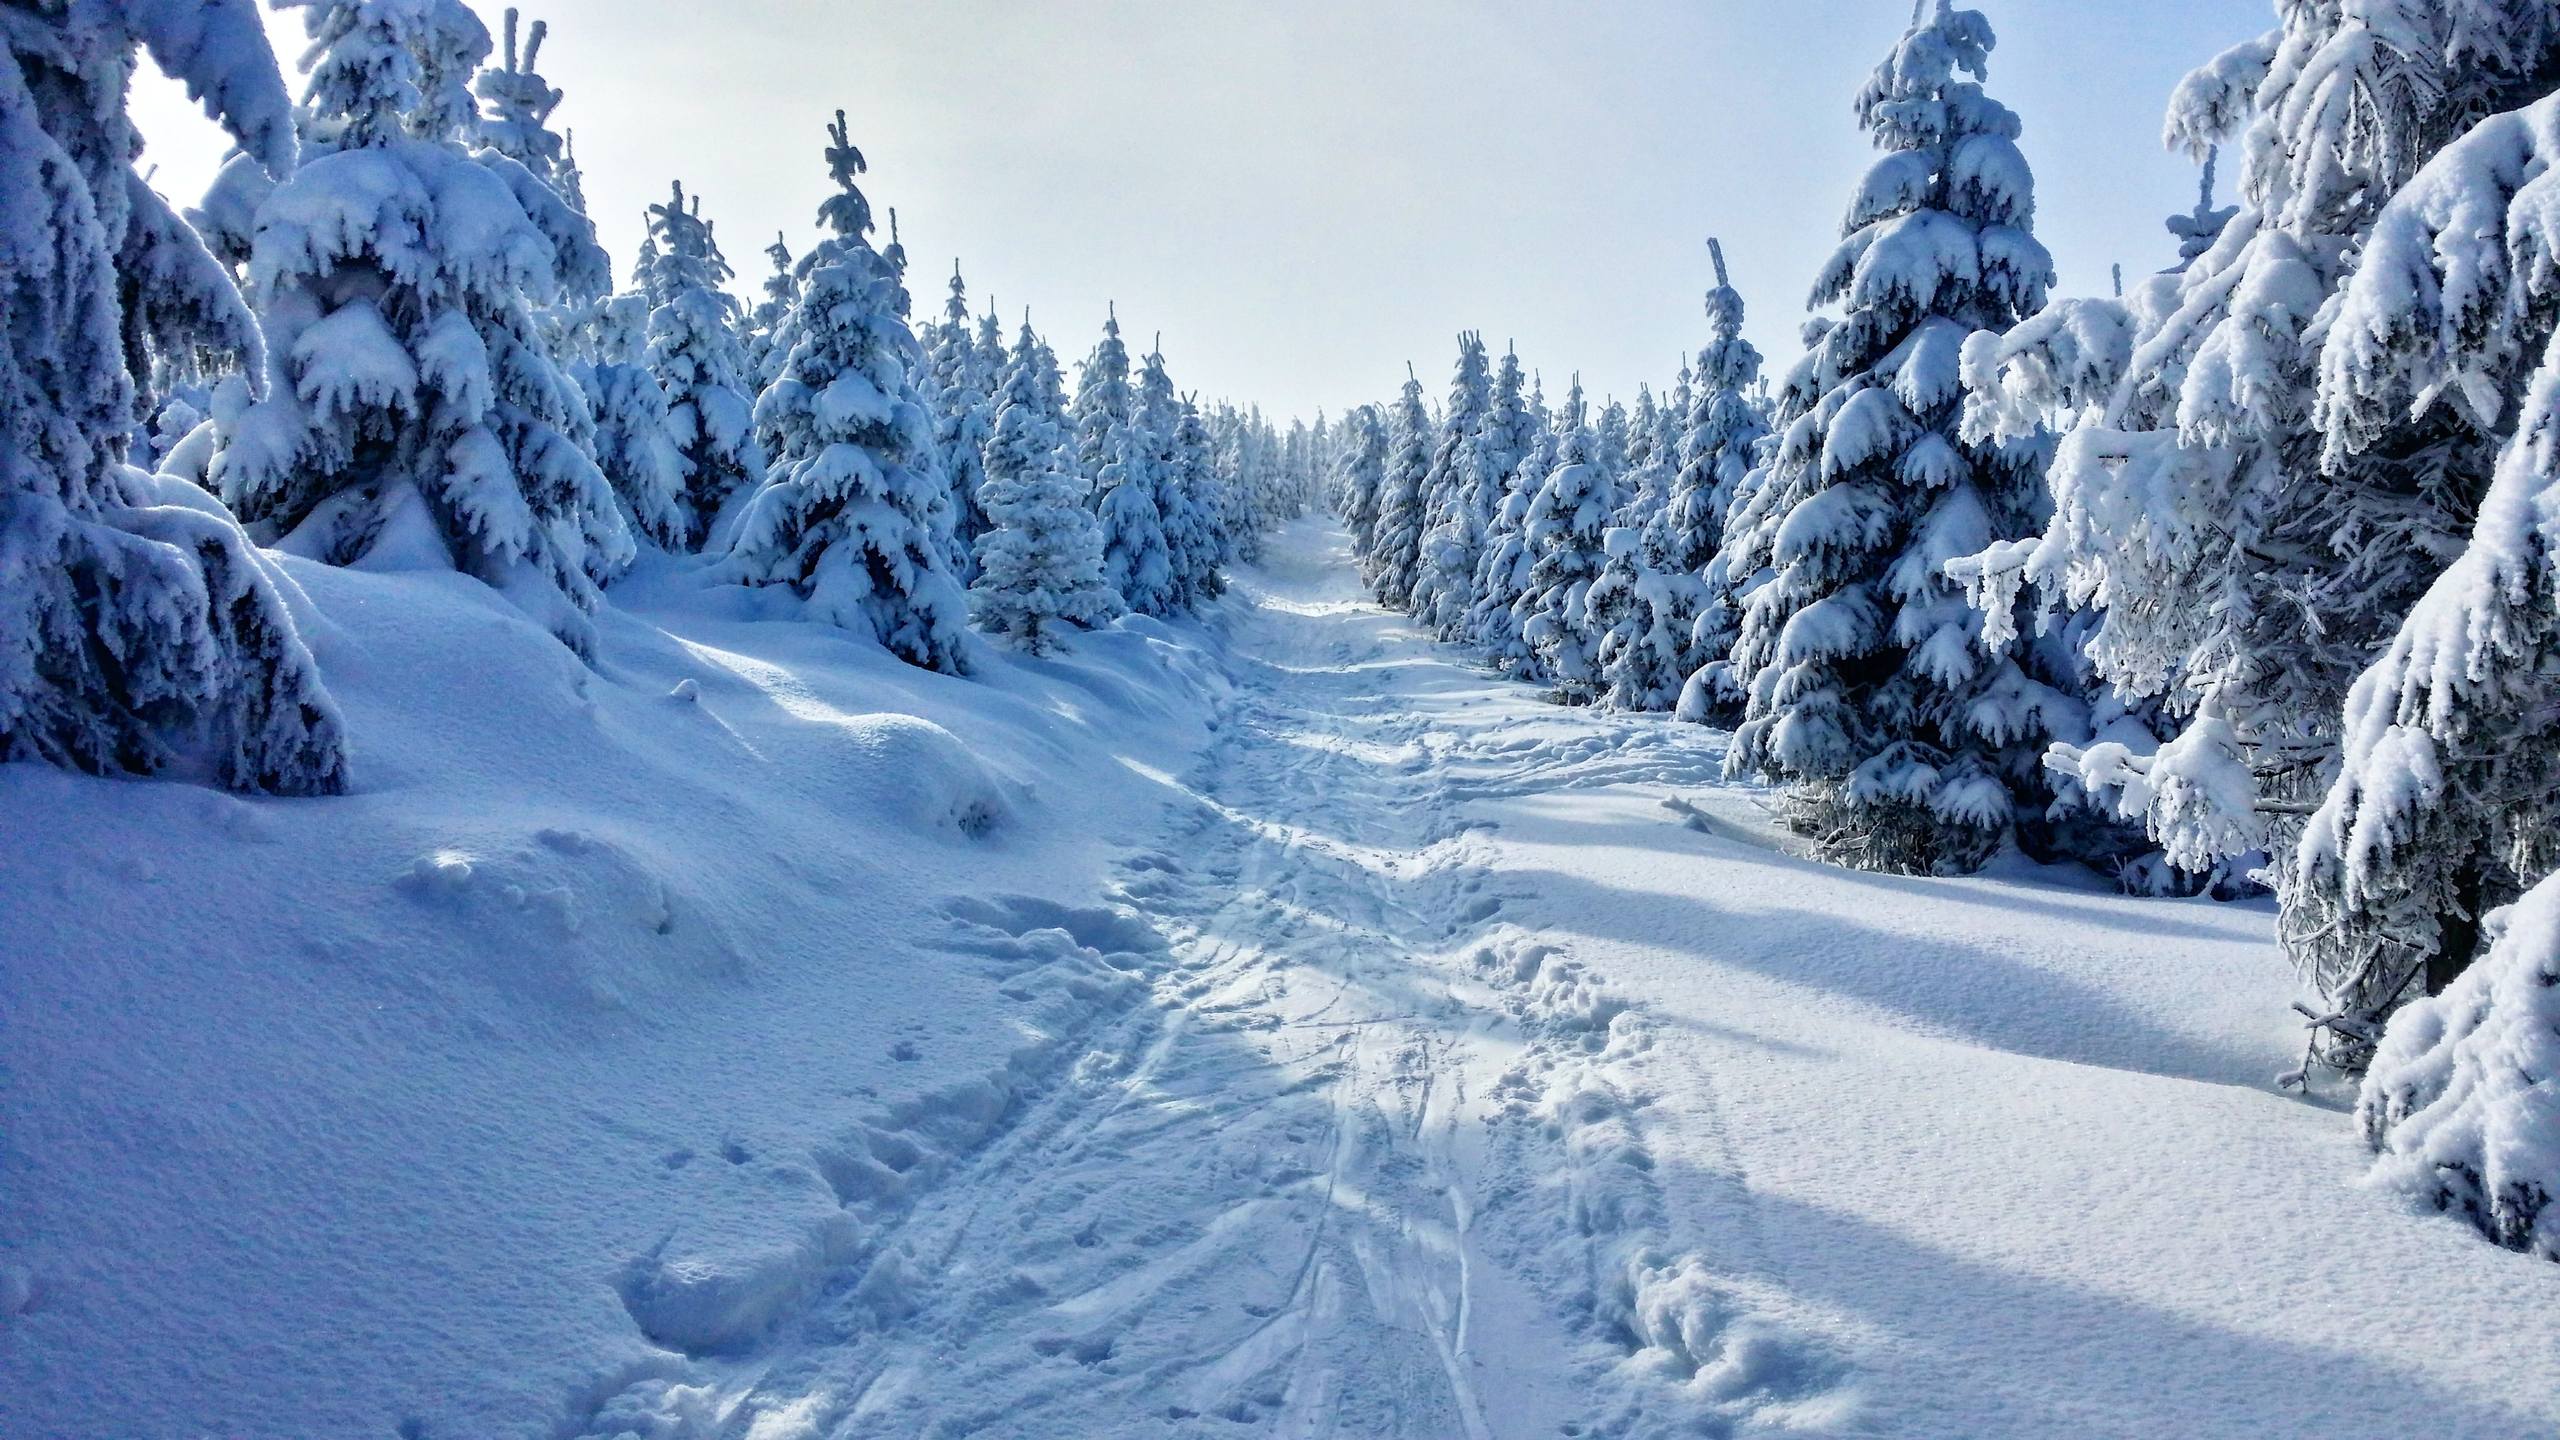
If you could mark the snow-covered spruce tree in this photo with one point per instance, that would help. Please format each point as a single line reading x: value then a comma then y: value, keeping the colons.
x: 694, y: 350
x: 139, y: 630
x: 990, y: 354
x: 1912, y: 739
x: 1637, y: 615
x: 845, y: 516
x: 1609, y: 446
x: 2242, y: 577
x: 1445, y: 562
x: 1249, y: 459
x: 1134, y: 557
x: 1671, y: 435
x: 516, y: 125
x: 1647, y: 483
x: 1103, y: 408
x: 1195, y: 539
x: 1226, y: 457
x: 962, y: 418
x: 1297, y: 473
x: 600, y: 338
x: 1665, y: 615
x: 2448, y: 800
x: 1744, y: 562
x: 1722, y: 440
x: 765, y: 344
x: 1509, y: 432
x: 1395, y: 547
x: 1105, y: 414
x: 1114, y: 441
x: 2462, y: 1102
x: 1566, y: 533
x: 1502, y: 577
x: 2198, y: 229
x: 2064, y: 359
x: 635, y: 441
x: 1362, y: 470
x: 1051, y: 388
x: 414, y: 409
x: 1040, y: 558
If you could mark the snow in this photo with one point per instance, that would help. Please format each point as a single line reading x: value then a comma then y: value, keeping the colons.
x: 1268, y: 1024
x: 2463, y: 1100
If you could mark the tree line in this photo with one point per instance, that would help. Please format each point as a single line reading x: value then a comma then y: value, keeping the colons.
x: 2243, y: 574
x: 388, y: 333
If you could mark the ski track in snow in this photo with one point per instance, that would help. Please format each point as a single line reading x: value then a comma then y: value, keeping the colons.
x: 1345, y: 1153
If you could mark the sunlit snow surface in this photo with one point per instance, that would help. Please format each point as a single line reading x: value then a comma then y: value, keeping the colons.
x: 1275, y: 1027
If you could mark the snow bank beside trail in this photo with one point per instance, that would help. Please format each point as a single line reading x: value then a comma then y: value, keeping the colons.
x: 608, y: 1017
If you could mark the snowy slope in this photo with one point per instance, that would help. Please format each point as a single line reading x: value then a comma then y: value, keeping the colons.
x: 1282, y: 1028
x: 571, y: 1032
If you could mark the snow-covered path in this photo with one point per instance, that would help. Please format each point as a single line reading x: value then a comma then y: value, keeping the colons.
x: 1361, y: 1165
x: 1456, y: 1090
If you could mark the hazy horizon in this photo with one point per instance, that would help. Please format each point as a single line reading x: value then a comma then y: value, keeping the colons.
x: 1302, y: 198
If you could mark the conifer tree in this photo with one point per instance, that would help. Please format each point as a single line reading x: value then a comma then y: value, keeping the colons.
x: 1672, y: 423
x: 635, y: 442
x: 1565, y: 530
x: 139, y: 629
x: 1502, y: 577
x: 516, y: 125
x: 1609, y: 440
x: 845, y: 517
x: 1396, y: 548
x: 1297, y: 472
x: 1640, y: 608
x: 1363, y: 470
x: 2244, y: 569
x: 1912, y: 737
x: 1249, y: 462
x: 2447, y: 804
x: 1503, y: 442
x: 1647, y: 483
x: 414, y: 411
x: 962, y: 421
x: 1723, y: 438
x: 990, y: 354
x: 600, y: 338
x: 1509, y: 432
x: 1638, y: 618
x: 2460, y: 1100
x: 1135, y: 559
x: 1040, y: 559
x: 1104, y: 406
x: 694, y: 350
x: 1195, y: 542
x: 2199, y: 228
x: 1444, y: 574
x: 765, y: 345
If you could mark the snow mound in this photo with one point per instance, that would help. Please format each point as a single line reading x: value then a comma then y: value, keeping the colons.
x: 565, y: 916
x: 717, y: 1295
x: 922, y: 778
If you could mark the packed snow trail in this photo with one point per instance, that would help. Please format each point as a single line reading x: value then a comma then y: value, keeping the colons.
x: 1361, y: 1164
x: 1458, y: 1066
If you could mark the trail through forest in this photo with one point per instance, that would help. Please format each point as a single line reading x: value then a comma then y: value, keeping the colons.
x: 1364, y: 1161
x: 1477, y: 1068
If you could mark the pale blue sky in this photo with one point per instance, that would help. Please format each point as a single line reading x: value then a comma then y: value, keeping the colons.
x: 1304, y: 195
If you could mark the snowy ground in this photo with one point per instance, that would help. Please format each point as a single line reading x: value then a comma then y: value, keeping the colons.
x: 1284, y: 1030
